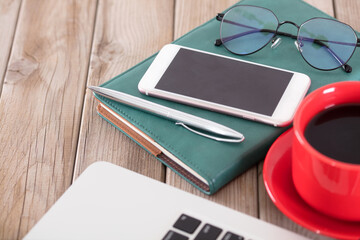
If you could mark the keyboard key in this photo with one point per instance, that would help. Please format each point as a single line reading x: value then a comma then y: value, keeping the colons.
x: 208, y: 232
x: 232, y: 236
x: 187, y: 224
x: 171, y: 235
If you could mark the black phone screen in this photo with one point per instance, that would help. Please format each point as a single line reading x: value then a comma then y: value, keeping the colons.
x: 224, y: 81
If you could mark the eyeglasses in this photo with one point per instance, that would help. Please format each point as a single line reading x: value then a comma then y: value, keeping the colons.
x: 325, y: 44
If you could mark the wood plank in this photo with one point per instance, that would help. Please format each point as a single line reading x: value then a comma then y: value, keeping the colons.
x: 9, y: 11
x: 267, y: 209
x: 348, y: 12
x: 126, y: 32
x: 324, y: 5
x: 190, y: 14
x: 40, y: 109
x: 240, y: 194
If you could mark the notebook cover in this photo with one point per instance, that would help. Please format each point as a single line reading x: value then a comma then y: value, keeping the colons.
x: 113, y: 119
x: 220, y: 162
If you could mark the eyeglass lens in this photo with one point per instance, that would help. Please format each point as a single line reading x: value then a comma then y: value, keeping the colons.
x: 324, y: 43
x: 245, y: 30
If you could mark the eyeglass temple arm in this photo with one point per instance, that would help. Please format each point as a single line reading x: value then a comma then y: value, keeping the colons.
x: 346, y: 67
x: 218, y: 42
x: 220, y: 16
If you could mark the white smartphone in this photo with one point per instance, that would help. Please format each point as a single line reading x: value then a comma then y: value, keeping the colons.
x: 224, y: 84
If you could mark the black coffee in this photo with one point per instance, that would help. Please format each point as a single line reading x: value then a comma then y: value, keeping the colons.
x: 335, y: 132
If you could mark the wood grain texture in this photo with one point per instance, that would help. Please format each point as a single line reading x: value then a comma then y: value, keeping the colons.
x: 9, y: 11
x: 48, y: 121
x: 190, y: 14
x: 267, y: 209
x: 126, y: 32
x: 326, y: 6
x: 40, y: 109
x: 348, y: 11
x: 240, y: 194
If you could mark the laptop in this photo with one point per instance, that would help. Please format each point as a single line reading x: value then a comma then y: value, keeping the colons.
x: 111, y: 202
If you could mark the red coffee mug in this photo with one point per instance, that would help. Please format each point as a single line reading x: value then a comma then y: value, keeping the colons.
x: 329, y: 186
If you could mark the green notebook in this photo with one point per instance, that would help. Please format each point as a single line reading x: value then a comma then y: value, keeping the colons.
x: 205, y: 163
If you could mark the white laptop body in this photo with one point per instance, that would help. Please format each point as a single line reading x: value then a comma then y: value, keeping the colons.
x: 110, y: 202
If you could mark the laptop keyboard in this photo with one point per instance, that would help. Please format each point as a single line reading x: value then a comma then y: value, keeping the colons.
x: 186, y: 228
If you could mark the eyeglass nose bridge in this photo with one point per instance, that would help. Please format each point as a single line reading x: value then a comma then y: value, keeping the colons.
x: 276, y: 40
x: 286, y: 34
x: 290, y: 22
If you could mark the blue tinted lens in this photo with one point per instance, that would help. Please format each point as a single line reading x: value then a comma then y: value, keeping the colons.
x: 325, y: 43
x: 246, y: 29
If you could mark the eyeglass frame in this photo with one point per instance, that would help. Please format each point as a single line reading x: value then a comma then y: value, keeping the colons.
x: 347, y: 68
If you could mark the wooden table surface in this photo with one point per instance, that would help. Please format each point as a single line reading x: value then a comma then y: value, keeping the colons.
x: 49, y: 129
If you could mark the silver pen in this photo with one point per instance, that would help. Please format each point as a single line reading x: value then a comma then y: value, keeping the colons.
x: 180, y: 118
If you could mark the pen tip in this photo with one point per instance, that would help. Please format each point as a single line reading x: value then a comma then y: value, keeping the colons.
x: 92, y: 88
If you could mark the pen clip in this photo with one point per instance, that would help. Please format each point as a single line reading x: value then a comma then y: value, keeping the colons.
x: 209, y: 136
